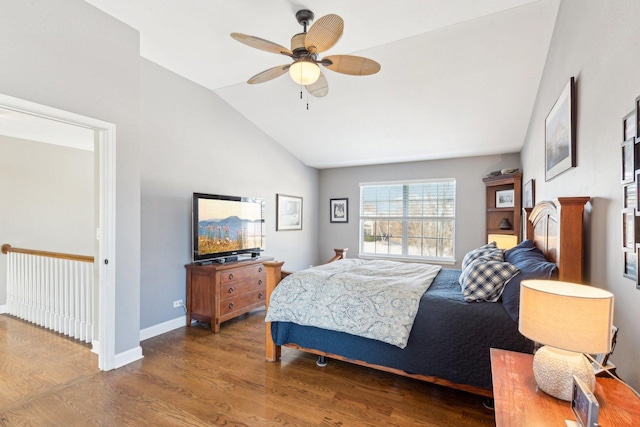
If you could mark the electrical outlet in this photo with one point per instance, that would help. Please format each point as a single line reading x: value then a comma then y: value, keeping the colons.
x: 177, y: 303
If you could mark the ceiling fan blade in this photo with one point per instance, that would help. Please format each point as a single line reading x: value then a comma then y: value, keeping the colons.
x: 261, y: 44
x: 349, y: 64
x: 324, y: 33
x: 269, y: 74
x: 320, y: 88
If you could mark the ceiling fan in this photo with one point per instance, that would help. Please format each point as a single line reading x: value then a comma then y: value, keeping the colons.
x: 305, y: 47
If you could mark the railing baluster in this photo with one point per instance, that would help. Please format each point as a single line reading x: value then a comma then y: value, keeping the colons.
x: 51, y: 289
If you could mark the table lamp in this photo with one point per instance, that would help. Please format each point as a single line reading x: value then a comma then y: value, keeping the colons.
x: 569, y: 319
x: 503, y: 241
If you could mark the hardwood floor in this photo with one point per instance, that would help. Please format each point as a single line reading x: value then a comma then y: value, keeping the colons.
x: 192, y: 377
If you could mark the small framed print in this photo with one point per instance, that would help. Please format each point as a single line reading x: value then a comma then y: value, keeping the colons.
x: 629, y: 230
x: 630, y: 266
x: 635, y: 197
x: 529, y: 194
x: 629, y: 126
x: 504, y: 198
x: 339, y: 210
x: 288, y: 212
x: 638, y: 117
x: 629, y: 195
x: 628, y: 161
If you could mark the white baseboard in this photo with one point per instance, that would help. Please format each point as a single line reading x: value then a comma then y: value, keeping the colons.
x: 162, y: 328
x: 128, y: 356
x: 3, y: 309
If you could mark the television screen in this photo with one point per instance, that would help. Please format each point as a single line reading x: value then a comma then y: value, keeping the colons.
x: 226, y: 226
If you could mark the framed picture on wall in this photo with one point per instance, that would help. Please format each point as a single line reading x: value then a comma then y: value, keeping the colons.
x: 529, y: 194
x: 504, y: 198
x: 630, y: 266
x: 339, y: 210
x: 629, y: 230
x: 629, y: 196
x: 560, y: 136
x: 628, y: 161
x: 288, y: 212
x: 629, y: 126
x: 637, y: 117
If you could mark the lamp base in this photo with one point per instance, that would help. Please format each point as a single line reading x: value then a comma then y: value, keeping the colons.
x: 554, y: 369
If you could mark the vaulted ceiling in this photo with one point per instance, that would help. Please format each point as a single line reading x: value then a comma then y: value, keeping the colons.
x: 459, y: 77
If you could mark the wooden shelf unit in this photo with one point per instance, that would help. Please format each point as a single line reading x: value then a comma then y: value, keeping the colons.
x: 220, y: 292
x: 495, y: 215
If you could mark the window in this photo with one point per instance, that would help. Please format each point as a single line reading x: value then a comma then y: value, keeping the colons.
x: 414, y: 220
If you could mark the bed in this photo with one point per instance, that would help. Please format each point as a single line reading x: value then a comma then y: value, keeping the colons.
x: 450, y: 339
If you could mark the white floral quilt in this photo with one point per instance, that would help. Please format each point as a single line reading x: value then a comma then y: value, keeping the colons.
x: 373, y: 299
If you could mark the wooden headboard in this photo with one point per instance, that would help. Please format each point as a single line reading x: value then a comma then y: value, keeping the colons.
x: 557, y: 228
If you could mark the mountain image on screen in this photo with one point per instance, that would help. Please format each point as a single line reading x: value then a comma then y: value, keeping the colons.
x: 228, y: 234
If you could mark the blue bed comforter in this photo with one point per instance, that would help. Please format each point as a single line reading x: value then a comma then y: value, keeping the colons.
x: 450, y: 338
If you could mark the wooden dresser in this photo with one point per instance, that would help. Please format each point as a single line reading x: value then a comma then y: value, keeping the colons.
x: 220, y: 292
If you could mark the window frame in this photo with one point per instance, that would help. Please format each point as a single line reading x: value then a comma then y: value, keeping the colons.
x: 404, y: 219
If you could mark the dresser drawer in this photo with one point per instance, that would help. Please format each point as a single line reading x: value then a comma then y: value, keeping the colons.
x: 241, y: 302
x: 237, y: 287
x: 241, y: 273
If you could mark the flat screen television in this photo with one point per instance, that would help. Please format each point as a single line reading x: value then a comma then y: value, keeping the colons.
x: 225, y: 227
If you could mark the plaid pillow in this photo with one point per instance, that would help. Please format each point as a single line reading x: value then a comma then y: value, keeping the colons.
x: 484, y: 279
x: 490, y: 251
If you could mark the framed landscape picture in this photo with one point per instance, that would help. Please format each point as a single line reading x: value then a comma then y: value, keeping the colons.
x: 560, y: 136
x: 339, y: 210
x: 288, y: 212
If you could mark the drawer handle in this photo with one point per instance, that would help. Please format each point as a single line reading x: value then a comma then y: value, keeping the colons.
x: 231, y: 290
x: 260, y: 282
x: 259, y: 269
x: 230, y: 305
x: 260, y: 295
x: 230, y: 276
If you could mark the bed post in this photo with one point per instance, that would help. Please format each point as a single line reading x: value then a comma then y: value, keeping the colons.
x: 274, y: 275
x: 571, y: 249
x: 340, y: 254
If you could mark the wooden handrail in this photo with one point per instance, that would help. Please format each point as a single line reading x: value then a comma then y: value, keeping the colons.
x: 6, y: 248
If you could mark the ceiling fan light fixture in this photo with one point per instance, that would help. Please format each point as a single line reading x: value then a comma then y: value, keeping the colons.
x: 304, y: 72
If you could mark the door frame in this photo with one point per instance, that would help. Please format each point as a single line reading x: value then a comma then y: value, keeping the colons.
x: 105, y: 262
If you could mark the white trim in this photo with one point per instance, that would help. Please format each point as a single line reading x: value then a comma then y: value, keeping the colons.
x: 128, y: 356
x: 106, y: 137
x: 3, y: 309
x: 162, y: 328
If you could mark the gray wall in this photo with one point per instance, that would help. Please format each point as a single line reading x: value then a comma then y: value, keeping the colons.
x: 69, y: 55
x: 193, y: 141
x: 470, y: 197
x: 47, y: 203
x: 597, y: 42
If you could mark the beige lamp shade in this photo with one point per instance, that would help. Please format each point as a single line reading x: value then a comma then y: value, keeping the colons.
x: 569, y: 319
x: 304, y: 72
x: 567, y: 316
x: 503, y: 241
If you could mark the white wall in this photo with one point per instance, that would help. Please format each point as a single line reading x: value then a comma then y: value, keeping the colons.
x: 597, y: 42
x: 47, y: 203
x: 193, y: 141
x: 68, y: 55
x: 470, y: 197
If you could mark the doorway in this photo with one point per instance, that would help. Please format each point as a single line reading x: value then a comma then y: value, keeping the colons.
x: 105, y: 260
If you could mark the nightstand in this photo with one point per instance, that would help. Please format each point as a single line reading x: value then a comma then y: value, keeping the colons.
x: 519, y: 403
